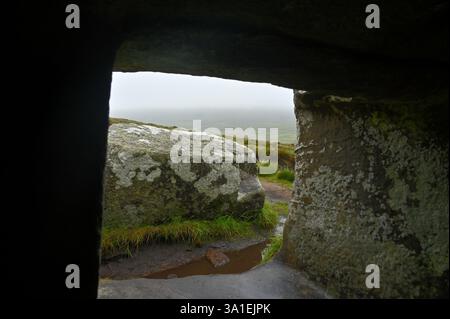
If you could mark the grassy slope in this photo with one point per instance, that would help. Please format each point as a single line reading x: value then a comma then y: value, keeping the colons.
x: 116, y: 120
x: 127, y: 240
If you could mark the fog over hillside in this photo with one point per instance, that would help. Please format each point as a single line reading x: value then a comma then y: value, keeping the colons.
x: 174, y: 99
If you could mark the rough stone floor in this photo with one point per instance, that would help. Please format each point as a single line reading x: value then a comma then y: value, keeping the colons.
x: 272, y: 280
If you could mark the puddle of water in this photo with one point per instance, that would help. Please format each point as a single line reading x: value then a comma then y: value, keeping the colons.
x: 240, y: 261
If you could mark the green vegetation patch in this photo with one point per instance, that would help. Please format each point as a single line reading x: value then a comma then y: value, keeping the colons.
x: 268, y: 218
x: 272, y: 248
x: 126, y: 240
x: 286, y: 174
x: 117, y: 241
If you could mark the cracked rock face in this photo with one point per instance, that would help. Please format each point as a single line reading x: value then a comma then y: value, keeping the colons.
x: 144, y: 186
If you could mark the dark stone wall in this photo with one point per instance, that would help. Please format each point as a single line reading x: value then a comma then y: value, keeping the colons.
x: 55, y: 125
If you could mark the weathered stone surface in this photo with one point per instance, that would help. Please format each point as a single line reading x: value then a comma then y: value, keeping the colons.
x: 371, y: 188
x: 144, y: 186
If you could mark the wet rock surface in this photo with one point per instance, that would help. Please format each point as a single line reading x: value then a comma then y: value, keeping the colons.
x: 271, y: 280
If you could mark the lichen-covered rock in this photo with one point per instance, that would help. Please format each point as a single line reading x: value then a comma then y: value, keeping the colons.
x: 143, y: 186
x: 371, y: 188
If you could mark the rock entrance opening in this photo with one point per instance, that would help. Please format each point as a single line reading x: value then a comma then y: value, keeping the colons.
x: 166, y: 219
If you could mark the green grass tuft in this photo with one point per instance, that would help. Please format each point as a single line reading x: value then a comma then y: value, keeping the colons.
x: 286, y: 174
x: 272, y: 248
x: 268, y: 218
x: 127, y: 240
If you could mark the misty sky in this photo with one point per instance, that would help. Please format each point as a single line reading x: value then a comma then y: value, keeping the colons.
x: 176, y: 91
x: 174, y: 99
